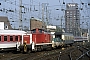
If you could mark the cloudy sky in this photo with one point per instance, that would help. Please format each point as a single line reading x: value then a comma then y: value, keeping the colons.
x: 33, y: 8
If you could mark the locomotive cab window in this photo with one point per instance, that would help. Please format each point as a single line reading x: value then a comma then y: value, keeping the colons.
x: 5, y: 38
x: 11, y: 38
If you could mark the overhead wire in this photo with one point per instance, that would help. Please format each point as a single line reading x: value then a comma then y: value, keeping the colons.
x: 27, y: 9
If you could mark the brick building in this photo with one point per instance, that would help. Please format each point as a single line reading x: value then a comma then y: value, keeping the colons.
x: 36, y: 23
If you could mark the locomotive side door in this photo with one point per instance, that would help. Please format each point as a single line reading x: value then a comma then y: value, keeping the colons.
x: 27, y: 38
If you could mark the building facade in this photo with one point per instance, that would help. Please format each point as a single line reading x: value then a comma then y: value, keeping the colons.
x: 72, y: 19
x: 36, y: 23
x: 7, y: 24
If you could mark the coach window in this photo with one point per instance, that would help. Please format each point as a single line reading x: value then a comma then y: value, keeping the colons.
x: 0, y: 38
x: 16, y: 38
x: 11, y: 38
x: 5, y: 38
x: 20, y: 38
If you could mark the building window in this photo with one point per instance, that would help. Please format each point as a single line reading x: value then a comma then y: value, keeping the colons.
x: 6, y: 26
x: 70, y: 11
x: 74, y: 16
x: 67, y: 11
x: 70, y: 14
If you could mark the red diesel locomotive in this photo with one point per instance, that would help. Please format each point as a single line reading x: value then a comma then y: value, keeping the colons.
x: 37, y: 40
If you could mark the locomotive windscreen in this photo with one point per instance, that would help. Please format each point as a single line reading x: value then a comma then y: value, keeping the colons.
x: 58, y: 35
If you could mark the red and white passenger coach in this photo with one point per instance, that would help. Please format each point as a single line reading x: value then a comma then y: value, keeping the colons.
x: 10, y: 39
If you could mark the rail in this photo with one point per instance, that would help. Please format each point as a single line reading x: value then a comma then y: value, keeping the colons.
x: 84, y: 53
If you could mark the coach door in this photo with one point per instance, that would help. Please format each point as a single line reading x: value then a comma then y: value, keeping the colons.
x: 27, y: 39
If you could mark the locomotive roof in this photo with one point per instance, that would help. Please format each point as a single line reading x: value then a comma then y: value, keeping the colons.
x: 38, y: 29
x: 12, y: 32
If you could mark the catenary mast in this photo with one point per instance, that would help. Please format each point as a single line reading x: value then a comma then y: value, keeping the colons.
x: 20, y: 14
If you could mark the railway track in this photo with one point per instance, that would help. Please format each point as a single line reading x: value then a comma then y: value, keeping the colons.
x: 10, y: 56
x: 77, y: 52
x: 85, y: 53
x: 33, y: 56
x: 69, y: 53
x: 80, y: 52
x: 51, y: 55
